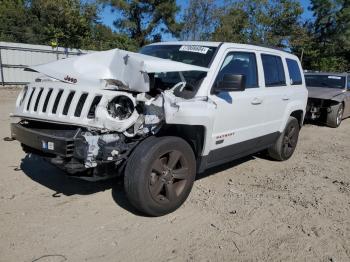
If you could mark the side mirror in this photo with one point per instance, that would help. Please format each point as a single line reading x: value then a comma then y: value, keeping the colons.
x: 230, y: 83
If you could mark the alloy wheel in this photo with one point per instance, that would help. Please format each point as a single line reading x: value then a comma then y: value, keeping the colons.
x: 169, y: 175
x: 290, y: 140
x: 340, y: 114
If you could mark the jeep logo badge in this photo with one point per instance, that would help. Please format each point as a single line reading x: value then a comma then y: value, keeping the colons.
x: 70, y: 79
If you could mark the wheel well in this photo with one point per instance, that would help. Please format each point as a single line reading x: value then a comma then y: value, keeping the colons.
x: 194, y: 135
x: 298, y: 114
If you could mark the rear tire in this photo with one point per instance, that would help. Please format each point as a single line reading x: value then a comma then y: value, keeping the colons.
x: 159, y: 175
x: 335, y: 117
x: 285, y: 145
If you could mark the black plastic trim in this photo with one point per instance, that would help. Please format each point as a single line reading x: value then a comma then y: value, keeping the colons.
x: 236, y: 151
x: 34, y: 139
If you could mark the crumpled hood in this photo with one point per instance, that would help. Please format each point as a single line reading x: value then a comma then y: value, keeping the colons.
x: 128, y: 69
x: 324, y: 92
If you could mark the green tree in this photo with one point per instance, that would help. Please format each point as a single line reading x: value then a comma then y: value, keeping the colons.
x: 285, y: 24
x: 233, y: 27
x: 267, y: 22
x: 14, y: 21
x: 65, y: 23
x: 68, y: 23
x: 199, y: 19
x: 331, y: 35
x: 325, y: 20
x: 343, y: 27
x: 103, y: 38
x: 145, y: 20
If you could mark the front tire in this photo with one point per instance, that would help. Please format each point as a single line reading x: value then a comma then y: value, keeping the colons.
x: 159, y: 175
x: 335, y: 117
x: 285, y: 145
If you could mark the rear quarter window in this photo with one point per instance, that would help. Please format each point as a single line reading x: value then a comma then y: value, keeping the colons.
x: 273, y: 70
x: 294, y: 72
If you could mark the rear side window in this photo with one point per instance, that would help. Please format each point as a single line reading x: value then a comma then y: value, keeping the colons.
x: 294, y: 72
x: 273, y: 70
x: 241, y: 63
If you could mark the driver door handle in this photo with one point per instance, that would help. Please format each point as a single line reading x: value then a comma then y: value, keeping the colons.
x: 285, y: 98
x: 256, y: 101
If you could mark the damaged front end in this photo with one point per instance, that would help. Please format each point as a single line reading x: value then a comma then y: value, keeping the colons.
x: 88, y: 121
x: 88, y: 136
x: 317, y: 109
x: 324, y: 93
x: 74, y: 149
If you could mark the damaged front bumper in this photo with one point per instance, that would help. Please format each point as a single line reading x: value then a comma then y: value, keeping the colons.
x: 74, y: 149
x: 318, y: 109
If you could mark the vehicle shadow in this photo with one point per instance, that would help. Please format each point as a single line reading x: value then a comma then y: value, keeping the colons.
x: 314, y: 122
x: 223, y: 167
x: 51, y: 177
x: 40, y: 171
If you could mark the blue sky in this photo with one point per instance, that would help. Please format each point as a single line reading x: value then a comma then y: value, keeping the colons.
x: 108, y: 17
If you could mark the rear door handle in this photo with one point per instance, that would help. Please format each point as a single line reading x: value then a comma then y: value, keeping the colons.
x: 256, y: 101
x: 285, y: 98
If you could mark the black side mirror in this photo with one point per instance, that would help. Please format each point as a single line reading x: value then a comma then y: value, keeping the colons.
x: 231, y: 82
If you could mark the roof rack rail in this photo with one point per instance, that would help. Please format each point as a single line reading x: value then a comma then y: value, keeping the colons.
x: 272, y: 47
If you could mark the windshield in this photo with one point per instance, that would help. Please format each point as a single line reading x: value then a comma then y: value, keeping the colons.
x: 330, y: 81
x: 188, y: 54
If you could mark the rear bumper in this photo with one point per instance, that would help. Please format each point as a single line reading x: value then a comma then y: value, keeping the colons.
x: 47, y: 143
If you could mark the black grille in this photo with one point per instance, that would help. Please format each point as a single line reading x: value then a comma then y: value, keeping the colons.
x: 47, y: 100
x: 80, y: 105
x: 68, y: 102
x: 38, y: 99
x: 57, y: 101
x: 93, y: 106
x: 30, y: 98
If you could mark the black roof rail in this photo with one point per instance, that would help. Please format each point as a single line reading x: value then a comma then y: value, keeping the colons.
x: 271, y: 47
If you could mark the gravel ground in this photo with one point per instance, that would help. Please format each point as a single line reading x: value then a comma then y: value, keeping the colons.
x: 249, y: 210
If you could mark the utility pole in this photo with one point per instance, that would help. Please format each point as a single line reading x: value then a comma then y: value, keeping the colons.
x: 2, y: 71
x: 302, y: 56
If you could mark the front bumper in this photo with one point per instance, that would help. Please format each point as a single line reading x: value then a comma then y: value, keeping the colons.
x: 318, y: 109
x: 45, y: 141
x: 73, y: 149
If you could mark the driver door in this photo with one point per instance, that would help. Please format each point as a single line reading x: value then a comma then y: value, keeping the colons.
x: 239, y: 125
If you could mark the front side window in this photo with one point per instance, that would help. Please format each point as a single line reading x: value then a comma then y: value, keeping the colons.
x: 273, y: 70
x: 240, y: 63
x: 294, y: 72
x: 349, y: 82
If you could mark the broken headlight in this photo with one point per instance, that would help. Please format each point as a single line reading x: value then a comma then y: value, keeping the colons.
x: 121, y: 107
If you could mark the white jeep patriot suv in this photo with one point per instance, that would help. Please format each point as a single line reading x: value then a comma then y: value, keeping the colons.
x: 162, y: 115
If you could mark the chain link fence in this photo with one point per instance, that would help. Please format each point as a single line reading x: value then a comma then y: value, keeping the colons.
x: 15, y: 57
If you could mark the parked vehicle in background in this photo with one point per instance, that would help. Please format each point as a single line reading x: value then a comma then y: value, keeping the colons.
x: 162, y: 116
x: 329, y: 97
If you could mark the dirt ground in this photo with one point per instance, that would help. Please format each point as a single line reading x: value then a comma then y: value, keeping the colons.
x: 249, y: 210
